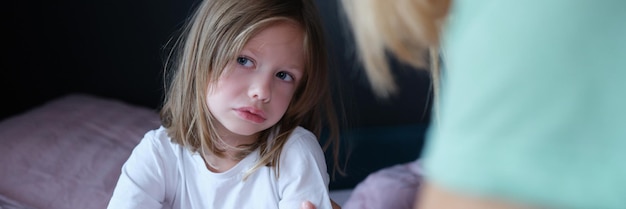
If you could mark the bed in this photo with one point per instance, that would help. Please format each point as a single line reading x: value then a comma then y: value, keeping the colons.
x: 67, y: 153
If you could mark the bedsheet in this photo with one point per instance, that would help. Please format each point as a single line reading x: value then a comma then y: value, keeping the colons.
x: 394, y: 187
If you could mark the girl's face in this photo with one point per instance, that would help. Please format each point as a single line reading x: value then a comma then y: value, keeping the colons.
x: 255, y: 90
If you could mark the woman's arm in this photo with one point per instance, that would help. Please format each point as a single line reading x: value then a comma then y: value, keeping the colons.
x: 432, y: 196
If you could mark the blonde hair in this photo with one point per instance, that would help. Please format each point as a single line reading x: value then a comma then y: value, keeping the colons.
x: 409, y: 29
x: 213, y: 37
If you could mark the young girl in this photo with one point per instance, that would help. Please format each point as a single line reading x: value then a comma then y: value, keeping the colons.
x: 242, y: 114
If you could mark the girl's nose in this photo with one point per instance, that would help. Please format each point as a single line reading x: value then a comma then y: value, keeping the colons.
x: 261, y: 89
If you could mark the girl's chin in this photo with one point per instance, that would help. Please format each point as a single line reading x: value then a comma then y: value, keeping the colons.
x: 245, y: 131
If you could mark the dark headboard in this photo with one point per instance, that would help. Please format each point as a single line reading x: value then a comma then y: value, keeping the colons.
x: 116, y: 49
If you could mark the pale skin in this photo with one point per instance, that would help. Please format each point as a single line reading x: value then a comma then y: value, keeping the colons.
x: 255, y: 91
x: 434, y: 197
x: 309, y: 205
x: 258, y: 89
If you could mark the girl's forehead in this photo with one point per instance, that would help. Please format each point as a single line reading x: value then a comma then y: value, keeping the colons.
x: 277, y: 38
x: 270, y: 32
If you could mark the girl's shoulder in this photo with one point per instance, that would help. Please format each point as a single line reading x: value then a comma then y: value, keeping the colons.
x: 158, y: 142
x: 302, y: 137
x: 157, y: 137
x: 301, y: 146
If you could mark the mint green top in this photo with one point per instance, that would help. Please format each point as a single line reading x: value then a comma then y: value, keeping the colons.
x: 533, y: 103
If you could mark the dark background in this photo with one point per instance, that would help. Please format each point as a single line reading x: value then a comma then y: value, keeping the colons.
x: 117, y: 49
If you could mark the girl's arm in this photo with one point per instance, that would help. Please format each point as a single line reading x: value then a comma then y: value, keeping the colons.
x: 309, y: 205
x: 141, y: 183
x: 303, y: 175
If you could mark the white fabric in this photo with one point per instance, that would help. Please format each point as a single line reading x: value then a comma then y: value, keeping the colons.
x: 163, y: 174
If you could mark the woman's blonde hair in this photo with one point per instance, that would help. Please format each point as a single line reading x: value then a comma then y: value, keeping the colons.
x: 409, y: 29
x: 213, y: 37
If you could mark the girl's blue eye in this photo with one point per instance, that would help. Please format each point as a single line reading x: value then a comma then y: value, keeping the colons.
x: 284, y: 76
x: 244, y: 61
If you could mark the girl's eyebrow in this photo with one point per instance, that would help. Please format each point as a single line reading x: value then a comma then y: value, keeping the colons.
x: 290, y: 66
x: 294, y: 67
x: 251, y: 51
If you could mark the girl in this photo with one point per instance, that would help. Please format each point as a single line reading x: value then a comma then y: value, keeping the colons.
x: 241, y: 116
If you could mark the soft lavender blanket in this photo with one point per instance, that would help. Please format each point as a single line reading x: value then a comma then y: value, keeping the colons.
x: 68, y: 153
x: 394, y: 187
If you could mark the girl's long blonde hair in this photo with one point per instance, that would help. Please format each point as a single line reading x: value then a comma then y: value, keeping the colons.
x: 215, y: 35
x: 409, y: 29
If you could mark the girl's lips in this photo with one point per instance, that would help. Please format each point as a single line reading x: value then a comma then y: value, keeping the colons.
x: 251, y: 114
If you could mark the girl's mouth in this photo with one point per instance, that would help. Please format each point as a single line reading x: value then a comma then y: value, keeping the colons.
x: 251, y: 114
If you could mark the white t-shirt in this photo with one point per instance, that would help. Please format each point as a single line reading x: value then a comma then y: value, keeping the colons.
x: 163, y: 174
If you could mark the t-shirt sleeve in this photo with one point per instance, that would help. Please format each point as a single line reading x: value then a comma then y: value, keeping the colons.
x: 532, y: 105
x: 303, y: 172
x: 141, y: 183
